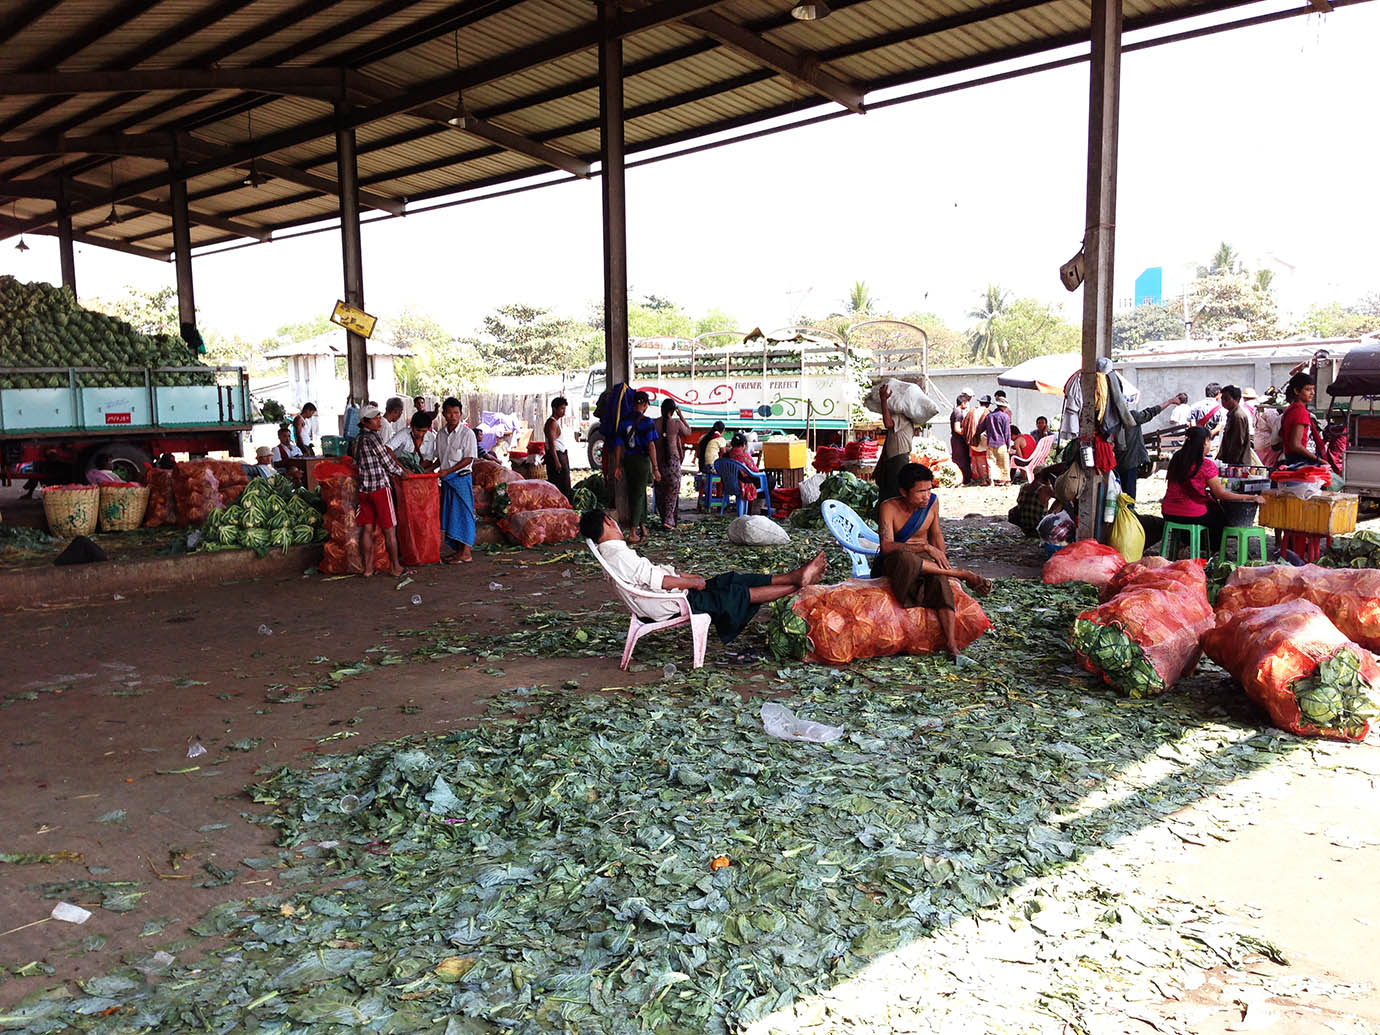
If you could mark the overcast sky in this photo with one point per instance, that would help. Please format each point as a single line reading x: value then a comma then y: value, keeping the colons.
x: 1262, y: 137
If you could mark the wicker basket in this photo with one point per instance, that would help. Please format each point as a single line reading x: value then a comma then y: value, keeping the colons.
x: 72, y: 511
x: 122, y: 507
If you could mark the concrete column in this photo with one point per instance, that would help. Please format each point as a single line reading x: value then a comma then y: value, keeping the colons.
x: 1099, y: 239
x: 617, y: 355
x: 66, y: 253
x: 182, y: 258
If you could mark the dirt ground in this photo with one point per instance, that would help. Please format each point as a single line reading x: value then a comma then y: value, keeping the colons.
x: 103, y: 701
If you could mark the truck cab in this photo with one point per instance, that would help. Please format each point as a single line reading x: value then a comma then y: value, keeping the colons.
x: 1355, y: 402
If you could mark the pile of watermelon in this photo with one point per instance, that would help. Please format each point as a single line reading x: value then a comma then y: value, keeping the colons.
x: 42, y: 326
x: 270, y: 513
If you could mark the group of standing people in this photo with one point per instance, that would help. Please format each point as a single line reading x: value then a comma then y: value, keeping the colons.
x: 982, y: 439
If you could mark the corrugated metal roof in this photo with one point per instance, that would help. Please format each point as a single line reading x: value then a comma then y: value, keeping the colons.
x: 528, y: 66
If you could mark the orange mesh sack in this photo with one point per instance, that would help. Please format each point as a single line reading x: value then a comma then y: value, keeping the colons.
x: 534, y: 527
x: 1084, y: 561
x: 533, y: 494
x: 197, y: 491
x: 1299, y: 667
x: 231, y: 477
x: 1146, y: 637
x: 162, y: 508
x: 342, y: 553
x: 488, y: 475
x: 1350, y: 597
x: 1123, y: 577
x: 860, y: 618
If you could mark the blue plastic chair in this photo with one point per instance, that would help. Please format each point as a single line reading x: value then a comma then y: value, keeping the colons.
x: 727, y: 473
x: 852, y: 533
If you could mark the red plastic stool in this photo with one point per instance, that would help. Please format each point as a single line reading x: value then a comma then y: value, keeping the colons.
x: 1307, y: 545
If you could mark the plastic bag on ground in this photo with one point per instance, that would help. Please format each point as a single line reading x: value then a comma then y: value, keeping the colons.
x: 1084, y: 561
x: 1296, y: 665
x: 342, y: 553
x: 860, y: 618
x: 780, y: 722
x: 809, y: 489
x: 757, y: 530
x: 418, y: 499
x: 1123, y: 577
x: 535, y: 527
x: 1147, y: 636
x: 1128, y: 535
x: 908, y: 400
x: 197, y: 491
x: 162, y: 508
x: 1056, y: 528
x: 1350, y: 597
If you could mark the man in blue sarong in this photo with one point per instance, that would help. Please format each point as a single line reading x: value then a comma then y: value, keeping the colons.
x: 456, y: 451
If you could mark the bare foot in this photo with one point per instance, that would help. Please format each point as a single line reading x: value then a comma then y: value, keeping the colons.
x: 814, y: 570
x: 981, y: 585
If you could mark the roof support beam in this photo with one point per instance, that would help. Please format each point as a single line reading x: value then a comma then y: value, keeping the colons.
x: 803, y: 69
x: 144, y: 145
x: 326, y: 185
x: 304, y: 82
x: 25, y: 15
x: 10, y: 228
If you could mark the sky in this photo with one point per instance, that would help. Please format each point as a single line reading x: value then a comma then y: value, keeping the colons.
x: 1257, y: 137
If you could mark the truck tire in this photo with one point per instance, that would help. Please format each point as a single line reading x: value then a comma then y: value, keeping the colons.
x: 124, y: 459
x: 596, y: 450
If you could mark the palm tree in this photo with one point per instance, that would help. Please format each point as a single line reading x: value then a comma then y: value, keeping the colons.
x: 985, y: 346
x: 1225, y: 260
x: 859, y: 300
x: 1263, y: 279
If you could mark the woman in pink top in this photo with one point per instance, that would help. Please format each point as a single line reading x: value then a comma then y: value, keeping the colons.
x: 1194, y: 488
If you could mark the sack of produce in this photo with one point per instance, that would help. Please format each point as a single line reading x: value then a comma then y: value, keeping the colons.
x: 1350, y: 597
x: 1084, y: 561
x: 1146, y: 637
x: 1128, y: 535
x: 489, y: 475
x: 810, y: 489
x: 1293, y: 662
x: 231, y: 477
x: 342, y: 554
x: 757, y: 530
x: 527, y: 494
x: 197, y: 491
x: 419, y: 518
x: 908, y: 400
x: 1057, y: 528
x: 1123, y: 578
x: 534, y: 527
x: 162, y: 508
x: 860, y: 618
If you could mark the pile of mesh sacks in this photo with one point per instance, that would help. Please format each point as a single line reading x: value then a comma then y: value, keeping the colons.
x: 531, y: 511
x: 860, y: 618
x: 1299, y: 639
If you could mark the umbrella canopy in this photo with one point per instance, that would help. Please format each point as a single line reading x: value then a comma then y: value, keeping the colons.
x: 1046, y: 374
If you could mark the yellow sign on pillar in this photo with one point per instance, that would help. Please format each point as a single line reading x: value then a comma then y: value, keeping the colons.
x: 353, y: 319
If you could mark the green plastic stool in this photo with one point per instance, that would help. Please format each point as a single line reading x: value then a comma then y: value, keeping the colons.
x: 1243, y: 538
x: 1194, y: 534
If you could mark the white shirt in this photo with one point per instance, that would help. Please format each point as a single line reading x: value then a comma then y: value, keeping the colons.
x: 277, y: 454
x: 454, y: 446
x: 629, y: 567
x: 308, y: 432
x: 402, y: 443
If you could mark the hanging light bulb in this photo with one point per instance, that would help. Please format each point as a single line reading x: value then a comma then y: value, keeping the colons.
x: 21, y: 246
x: 809, y: 10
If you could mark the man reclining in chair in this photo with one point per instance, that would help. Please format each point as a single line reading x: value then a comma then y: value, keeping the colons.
x: 913, y: 558
x: 730, y: 599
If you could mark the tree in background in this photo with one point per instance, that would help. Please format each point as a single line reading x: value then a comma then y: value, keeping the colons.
x: 1225, y: 259
x: 148, y: 312
x: 1231, y: 307
x: 1335, y: 320
x: 948, y: 347
x: 1144, y: 323
x: 440, y: 364
x: 984, y: 342
x: 523, y: 339
x: 859, y: 301
x: 657, y: 317
x: 716, y: 319
x: 1027, y: 327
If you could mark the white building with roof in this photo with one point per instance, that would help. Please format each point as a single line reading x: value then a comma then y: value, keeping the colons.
x: 316, y: 373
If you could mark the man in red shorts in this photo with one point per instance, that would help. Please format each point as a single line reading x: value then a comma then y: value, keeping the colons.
x: 375, y: 493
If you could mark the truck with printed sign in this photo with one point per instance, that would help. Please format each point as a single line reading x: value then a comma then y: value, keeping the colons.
x: 80, y: 390
x: 798, y: 380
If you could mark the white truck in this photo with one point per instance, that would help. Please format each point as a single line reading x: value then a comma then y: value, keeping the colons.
x: 796, y: 380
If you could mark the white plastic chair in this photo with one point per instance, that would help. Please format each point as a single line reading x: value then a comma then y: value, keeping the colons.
x: 851, y: 532
x: 639, y: 626
x: 1038, y: 458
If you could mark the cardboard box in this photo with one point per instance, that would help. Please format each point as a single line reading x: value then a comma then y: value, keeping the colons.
x: 783, y: 455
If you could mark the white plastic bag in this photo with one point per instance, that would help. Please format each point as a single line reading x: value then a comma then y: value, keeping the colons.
x: 780, y: 722
x: 757, y: 530
x: 809, y: 489
x: 908, y: 400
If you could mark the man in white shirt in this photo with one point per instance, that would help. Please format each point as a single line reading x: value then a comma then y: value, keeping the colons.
x: 1207, y: 412
x: 730, y: 599
x: 392, y: 420
x: 416, y: 438
x: 286, y: 449
x: 456, y: 452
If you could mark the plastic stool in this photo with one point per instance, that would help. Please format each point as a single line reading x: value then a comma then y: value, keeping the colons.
x: 1193, y: 534
x: 1243, y: 538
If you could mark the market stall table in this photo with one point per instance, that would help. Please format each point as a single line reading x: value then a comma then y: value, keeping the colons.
x: 306, y: 467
